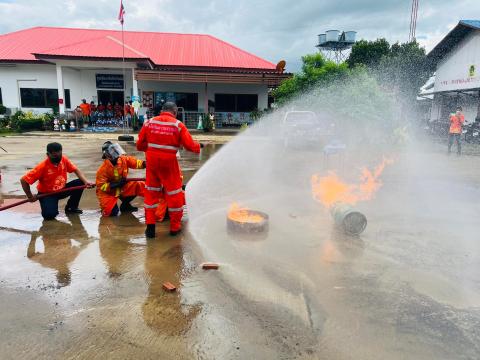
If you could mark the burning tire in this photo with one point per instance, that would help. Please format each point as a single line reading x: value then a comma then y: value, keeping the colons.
x: 242, y: 220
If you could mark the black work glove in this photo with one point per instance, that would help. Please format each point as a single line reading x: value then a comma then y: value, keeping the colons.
x: 118, y: 184
x: 202, y: 145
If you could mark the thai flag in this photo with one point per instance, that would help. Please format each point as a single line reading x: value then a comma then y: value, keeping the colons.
x: 121, y: 13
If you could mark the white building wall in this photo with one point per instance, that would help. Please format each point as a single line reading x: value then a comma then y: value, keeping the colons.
x: 453, y: 74
x: 25, y: 76
x: 79, y: 78
x: 453, y: 71
x: 80, y: 81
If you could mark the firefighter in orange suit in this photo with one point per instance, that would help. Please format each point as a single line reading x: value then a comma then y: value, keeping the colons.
x: 456, y: 122
x: 161, y: 137
x: 111, y: 180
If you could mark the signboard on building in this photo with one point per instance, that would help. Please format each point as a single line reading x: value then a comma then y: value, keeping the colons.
x: 109, y: 81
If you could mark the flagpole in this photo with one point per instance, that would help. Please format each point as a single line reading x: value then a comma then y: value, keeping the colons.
x: 123, y: 137
x: 124, y: 83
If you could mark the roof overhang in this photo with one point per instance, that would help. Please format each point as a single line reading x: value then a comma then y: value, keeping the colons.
x: 469, y: 92
x: 458, y: 33
x: 234, y: 76
x: 50, y: 59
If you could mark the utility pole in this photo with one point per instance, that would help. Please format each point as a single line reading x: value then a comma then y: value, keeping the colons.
x: 413, y: 21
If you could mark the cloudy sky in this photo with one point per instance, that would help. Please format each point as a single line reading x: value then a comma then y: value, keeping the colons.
x: 272, y: 29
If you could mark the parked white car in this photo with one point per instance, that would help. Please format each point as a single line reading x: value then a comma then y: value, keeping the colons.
x: 301, y: 129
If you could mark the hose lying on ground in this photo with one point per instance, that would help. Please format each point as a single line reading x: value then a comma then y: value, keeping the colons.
x: 54, y: 193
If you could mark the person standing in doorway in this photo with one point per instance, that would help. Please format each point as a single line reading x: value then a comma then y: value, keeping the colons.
x: 456, y: 122
x: 93, y: 113
x: 85, y: 111
x: 126, y: 111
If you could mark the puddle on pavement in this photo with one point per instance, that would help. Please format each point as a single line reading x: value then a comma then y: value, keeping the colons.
x: 84, y: 286
x: 83, y: 283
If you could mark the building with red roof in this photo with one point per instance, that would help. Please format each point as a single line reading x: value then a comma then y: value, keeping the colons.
x: 41, y: 67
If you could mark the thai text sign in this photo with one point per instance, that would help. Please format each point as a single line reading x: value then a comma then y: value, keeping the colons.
x: 109, y: 81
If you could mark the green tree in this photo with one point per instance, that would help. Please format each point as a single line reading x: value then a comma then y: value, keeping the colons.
x: 404, y: 70
x: 401, y: 69
x: 316, y: 70
x: 368, y: 53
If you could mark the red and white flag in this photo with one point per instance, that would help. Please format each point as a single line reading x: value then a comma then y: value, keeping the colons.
x: 121, y: 14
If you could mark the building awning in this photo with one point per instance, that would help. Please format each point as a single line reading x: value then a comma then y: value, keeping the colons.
x: 271, y: 79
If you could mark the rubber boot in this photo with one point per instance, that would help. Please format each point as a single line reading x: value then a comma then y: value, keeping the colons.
x: 150, y: 231
x: 175, y: 232
x: 126, y: 206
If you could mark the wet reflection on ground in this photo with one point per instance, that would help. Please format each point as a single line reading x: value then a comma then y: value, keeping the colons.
x: 90, y: 287
x: 86, y: 284
x: 61, y: 242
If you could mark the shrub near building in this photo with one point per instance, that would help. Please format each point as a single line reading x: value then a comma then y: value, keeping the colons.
x: 28, y: 121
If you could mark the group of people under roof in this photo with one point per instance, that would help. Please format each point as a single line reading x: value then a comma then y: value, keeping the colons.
x: 105, y: 114
x: 160, y: 138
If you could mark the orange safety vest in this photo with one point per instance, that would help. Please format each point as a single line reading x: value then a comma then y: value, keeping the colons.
x: 456, y: 123
x: 85, y: 108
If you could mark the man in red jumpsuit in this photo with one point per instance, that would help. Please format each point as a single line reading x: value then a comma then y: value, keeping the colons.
x: 161, y: 137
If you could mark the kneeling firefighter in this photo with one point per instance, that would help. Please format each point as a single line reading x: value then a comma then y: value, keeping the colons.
x: 161, y: 137
x: 111, y: 180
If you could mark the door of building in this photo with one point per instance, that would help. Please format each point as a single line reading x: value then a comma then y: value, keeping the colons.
x: 110, y: 96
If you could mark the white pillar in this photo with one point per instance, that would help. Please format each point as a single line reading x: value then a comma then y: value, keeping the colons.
x: 134, y: 84
x: 61, y: 102
x: 206, y: 98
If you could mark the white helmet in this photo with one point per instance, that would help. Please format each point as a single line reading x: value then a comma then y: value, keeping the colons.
x: 112, y: 151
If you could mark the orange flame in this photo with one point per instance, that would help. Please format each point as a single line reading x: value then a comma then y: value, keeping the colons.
x: 331, y: 189
x: 243, y: 214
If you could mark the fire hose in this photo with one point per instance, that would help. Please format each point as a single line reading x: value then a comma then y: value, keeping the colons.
x: 80, y: 187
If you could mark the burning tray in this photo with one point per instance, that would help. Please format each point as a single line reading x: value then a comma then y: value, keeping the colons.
x: 245, y: 220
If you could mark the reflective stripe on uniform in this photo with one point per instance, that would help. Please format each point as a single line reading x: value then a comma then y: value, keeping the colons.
x: 151, y: 188
x: 104, y: 187
x: 150, y: 206
x: 174, y: 192
x: 175, y: 209
x: 167, y: 147
x: 166, y: 123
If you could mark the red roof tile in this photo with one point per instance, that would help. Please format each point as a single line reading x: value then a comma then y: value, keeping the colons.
x: 163, y: 49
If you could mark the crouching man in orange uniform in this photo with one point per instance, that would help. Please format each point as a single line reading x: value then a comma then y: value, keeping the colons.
x: 161, y: 137
x: 112, y: 182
